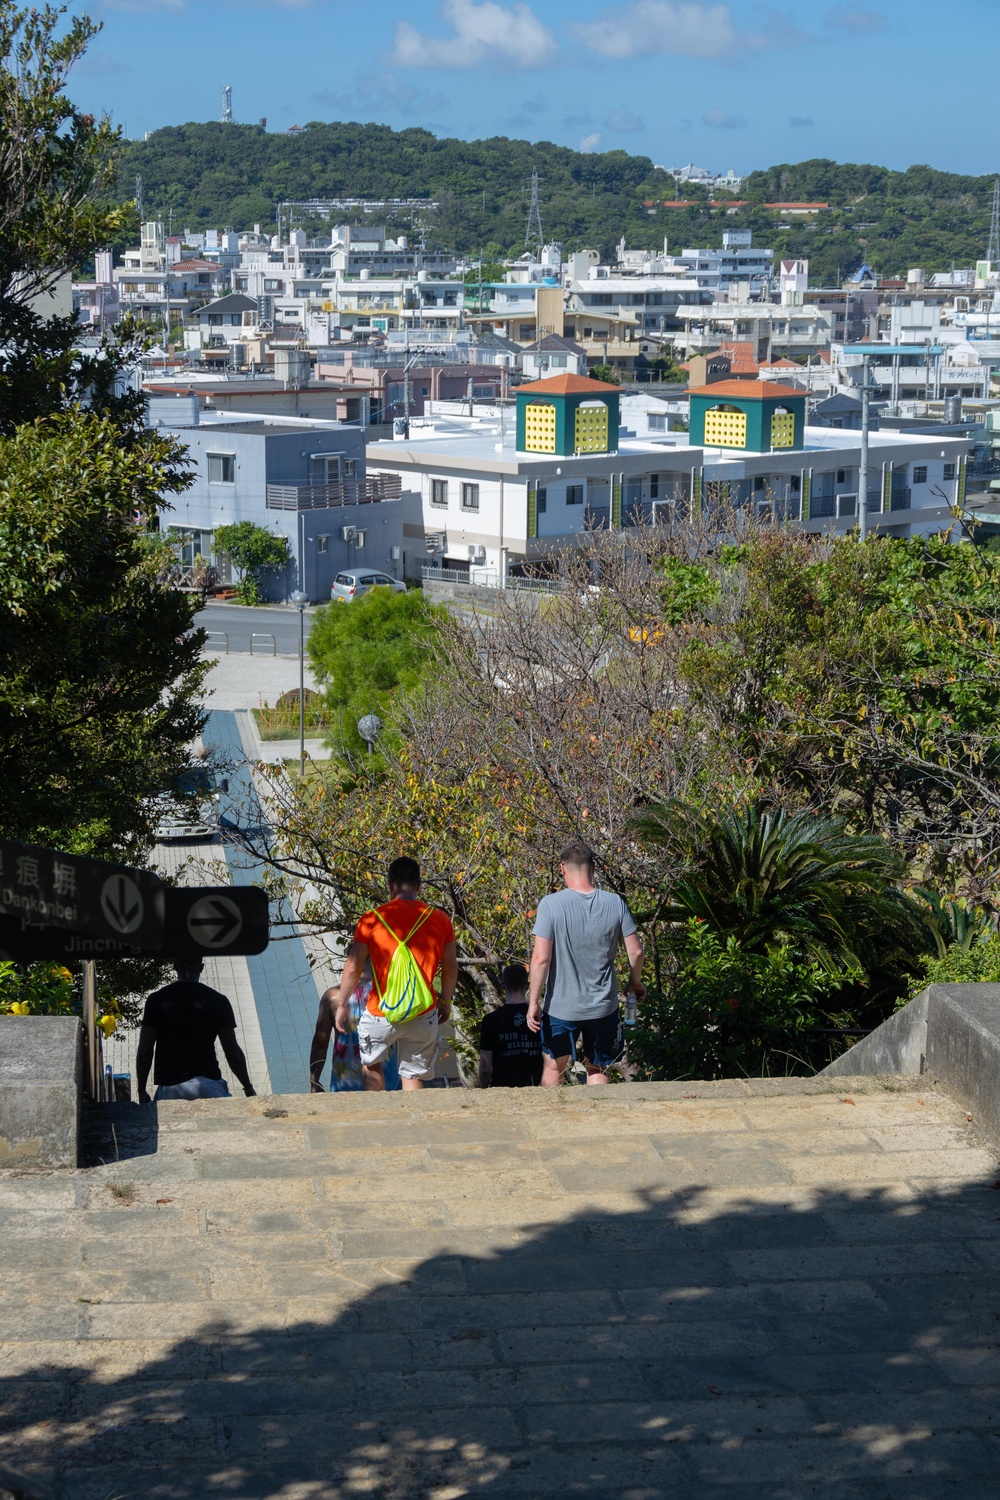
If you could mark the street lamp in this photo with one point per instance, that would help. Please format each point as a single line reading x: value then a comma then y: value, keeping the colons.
x: 369, y: 728
x: 300, y: 600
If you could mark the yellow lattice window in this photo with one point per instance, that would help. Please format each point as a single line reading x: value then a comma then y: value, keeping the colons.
x: 783, y: 429
x: 591, y: 435
x: 539, y: 427
x: 725, y: 427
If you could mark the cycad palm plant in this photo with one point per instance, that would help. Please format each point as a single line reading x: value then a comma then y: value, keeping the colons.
x: 770, y: 879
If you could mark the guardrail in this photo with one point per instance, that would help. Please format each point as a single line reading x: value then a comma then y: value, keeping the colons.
x: 264, y: 635
x: 345, y: 492
x: 218, y: 635
x: 489, y: 578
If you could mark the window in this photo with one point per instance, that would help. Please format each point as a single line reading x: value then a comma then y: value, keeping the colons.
x: 557, y: 361
x: 591, y: 434
x: 574, y: 494
x: 470, y: 497
x: 657, y: 421
x: 588, y: 333
x: 725, y: 427
x: 322, y: 544
x: 654, y: 486
x: 540, y: 499
x: 920, y: 474
x: 350, y: 468
x: 439, y: 492
x: 539, y: 427
x: 221, y: 468
x: 949, y: 471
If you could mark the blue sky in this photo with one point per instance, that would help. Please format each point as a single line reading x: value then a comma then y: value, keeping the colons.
x: 721, y: 84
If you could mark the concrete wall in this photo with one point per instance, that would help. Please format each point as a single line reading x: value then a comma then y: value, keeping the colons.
x: 951, y: 1031
x: 41, y: 1083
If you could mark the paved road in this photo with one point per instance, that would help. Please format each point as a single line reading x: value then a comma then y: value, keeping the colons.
x: 238, y: 622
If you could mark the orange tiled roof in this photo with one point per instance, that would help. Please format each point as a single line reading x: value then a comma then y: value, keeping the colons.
x: 747, y: 390
x: 568, y: 385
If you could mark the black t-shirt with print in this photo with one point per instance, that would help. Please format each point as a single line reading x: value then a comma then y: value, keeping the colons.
x: 517, y: 1052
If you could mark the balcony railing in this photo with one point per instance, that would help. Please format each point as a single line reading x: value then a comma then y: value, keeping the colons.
x: 346, y: 492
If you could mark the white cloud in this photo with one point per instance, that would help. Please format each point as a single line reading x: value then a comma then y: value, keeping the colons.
x: 856, y: 20
x: 685, y: 29
x: 591, y: 142
x: 623, y: 121
x: 719, y: 120
x: 504, y: 36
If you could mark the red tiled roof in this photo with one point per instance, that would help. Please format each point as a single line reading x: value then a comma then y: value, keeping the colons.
x: 747, y: 390
x: 796, y: 205
x: 782, y: 364
x: 193, y: 265
x: 567, y: 385
x: 742, y: 360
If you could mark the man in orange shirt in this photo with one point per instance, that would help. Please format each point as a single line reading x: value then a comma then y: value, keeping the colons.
x: 430, y: 937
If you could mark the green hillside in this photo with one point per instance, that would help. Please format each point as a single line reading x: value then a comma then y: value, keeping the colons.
x: 231, y: 176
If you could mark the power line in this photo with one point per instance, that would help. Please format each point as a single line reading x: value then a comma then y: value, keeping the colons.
x: 533, y: 232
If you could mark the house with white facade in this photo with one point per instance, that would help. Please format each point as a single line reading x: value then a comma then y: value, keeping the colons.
x: 494, y: 494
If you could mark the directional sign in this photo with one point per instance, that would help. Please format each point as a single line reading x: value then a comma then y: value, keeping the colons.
x: 90, y: 896
x: 205, y: 920
x: 214, y: 921
x: 201, y: 922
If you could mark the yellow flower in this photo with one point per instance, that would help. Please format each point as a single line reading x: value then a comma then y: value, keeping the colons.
x: 20, y: 1008
x: 107, y: 1024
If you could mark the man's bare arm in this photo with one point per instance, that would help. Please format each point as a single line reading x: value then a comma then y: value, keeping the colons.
x: 357, y: 957
x: 538, y: 973
x: 144, y: 1060
x: 321, y: 1041
x: 236, y: 1060
x: 634, y: 949
x: 449, y: 979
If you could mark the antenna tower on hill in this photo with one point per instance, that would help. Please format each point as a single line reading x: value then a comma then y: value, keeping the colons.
x: 993, y: 249
x: 138, y: 195
x: 533, y: 233
x: 227, y: 104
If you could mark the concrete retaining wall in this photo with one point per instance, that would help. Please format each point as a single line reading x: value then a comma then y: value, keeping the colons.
x: 41, y: 1085
x: 951, y: 1031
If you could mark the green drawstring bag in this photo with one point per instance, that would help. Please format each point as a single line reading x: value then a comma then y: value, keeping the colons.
x: 407, y: 993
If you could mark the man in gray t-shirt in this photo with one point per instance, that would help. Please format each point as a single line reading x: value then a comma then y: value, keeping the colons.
x: 577, y: 933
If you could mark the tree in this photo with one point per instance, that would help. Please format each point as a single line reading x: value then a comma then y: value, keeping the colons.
x: 364, y: 653
x: 100, y: 671
x: 55, y: 164
x: 251, y: 548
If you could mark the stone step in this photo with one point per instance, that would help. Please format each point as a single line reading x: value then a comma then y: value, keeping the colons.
x: 763, y: 1289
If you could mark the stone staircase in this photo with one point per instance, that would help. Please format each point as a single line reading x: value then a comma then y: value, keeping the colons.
x: 765, y: 1289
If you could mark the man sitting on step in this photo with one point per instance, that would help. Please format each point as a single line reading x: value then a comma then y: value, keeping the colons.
x: 407, y: 942
x: 180, y: 1025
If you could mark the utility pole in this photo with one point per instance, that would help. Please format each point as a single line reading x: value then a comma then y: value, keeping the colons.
x: 863, y: 466
x: 138, y: 195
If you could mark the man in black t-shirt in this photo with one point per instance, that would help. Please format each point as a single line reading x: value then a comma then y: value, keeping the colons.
x: 510, y: 1056
x: 180, y: 1025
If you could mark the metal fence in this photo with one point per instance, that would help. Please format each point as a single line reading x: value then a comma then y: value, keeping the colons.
x: 367, y: 491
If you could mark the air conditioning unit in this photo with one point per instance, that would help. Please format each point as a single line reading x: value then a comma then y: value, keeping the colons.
x: 476, y: 554
x: 435, y: 541
x: 348, y: 533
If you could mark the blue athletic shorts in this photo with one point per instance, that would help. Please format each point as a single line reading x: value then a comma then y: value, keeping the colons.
x: 602, y: 1040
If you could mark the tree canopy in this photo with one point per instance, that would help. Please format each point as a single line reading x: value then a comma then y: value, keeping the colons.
x: 230, y: 176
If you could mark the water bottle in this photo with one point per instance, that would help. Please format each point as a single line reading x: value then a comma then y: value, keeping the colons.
x: 630, y: 1009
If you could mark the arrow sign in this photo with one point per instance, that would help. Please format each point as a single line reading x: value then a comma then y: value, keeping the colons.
x: 105, y: 902
x: 203, y: 921
x: 122, y: 904
x: 200, y: 922
x: 214, y: 922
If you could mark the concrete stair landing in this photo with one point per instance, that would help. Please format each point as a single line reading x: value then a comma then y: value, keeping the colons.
x: 765, y: 1289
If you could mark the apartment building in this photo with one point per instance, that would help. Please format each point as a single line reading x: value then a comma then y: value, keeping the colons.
x: 303, y: 480
x: 492, y: 495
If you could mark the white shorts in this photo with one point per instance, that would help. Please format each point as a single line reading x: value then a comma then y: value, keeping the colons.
x: 416, y: 1042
